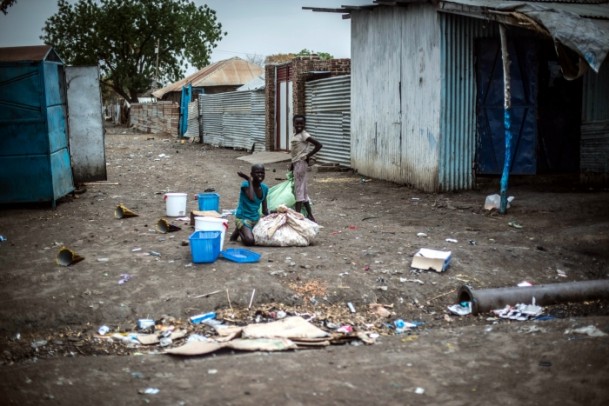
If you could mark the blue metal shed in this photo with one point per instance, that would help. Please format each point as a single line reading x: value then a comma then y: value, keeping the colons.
x: 34, y: 156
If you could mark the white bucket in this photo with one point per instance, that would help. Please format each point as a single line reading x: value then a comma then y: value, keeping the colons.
x: 212, y: 224
x: 176, y: 204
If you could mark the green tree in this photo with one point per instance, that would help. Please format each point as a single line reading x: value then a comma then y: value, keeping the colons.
x: 122, y: 36
x: 5, y: 4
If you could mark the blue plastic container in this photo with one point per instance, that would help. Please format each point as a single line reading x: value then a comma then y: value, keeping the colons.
x: 240, y: 255
x: 205, y: 246
x: 209, y: 201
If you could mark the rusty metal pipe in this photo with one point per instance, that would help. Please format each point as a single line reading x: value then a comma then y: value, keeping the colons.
x: 485, y: 300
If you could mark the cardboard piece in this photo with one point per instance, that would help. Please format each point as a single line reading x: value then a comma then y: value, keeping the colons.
x: 149, y: 339
x: 195, y: 348
x: 290, y: 327
x: 427, y: 259
x: 261, y: 344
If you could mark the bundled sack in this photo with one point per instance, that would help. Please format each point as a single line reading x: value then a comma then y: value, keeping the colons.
x: 286, y: 228
x: 281, y: 194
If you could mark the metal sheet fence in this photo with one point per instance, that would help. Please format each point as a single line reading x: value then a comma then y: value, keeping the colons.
x: 233, y: 119
x: 328, y: 111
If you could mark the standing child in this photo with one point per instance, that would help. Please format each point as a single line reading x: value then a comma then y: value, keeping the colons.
x: 302, y: 146
x: 253, y: 194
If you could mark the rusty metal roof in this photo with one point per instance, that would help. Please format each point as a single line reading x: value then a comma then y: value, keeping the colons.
x: 29, y: 53
x: 229, y: 72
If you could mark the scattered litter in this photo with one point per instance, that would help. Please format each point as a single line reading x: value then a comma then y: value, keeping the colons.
x: 419, y: 391
x: 451, y: 240
x: 345, y: 329
x: 351, y: 307
x: 426, y: 259
x: 207, y: 294
x: 146, y: 325
x: 591, y: 331
x: 199, y: 318
x: 520, y: 312
x: 136, y: 249
x: 461, y: 309
x: 212, y: 371
x: 38, y: 343
x: 380, y: 310
x: 103, y: 259
x: 197, y: 338
x: 154, y: 253
x: 149, y: 391
x: 122, y: 212
x: 514, y: 224
x: 165, y: 226
x: 404, y: 280
x: 421, y: 235
x: 252, y: 299
x: 125, y: 277
x: 67, y: 257
x: 3, y: 238
x: 561, y: 273
x: 494, y: 201
x: 103, y: 330
x: 401, y: 325
x: 165, y: 341
x: 525, y: 283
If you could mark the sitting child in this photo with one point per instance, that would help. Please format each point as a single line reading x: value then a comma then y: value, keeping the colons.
x: 253, y: 194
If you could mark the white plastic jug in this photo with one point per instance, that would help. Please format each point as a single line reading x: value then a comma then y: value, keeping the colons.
x: 212, y: 224
x: 176, y: 204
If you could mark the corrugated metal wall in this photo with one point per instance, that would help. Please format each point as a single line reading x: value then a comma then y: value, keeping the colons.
x: 594, y: 147
x: 395, y: 99
x: 458, y: 94
x: 193, y: 120
x: 328, y: 111
x: 234, y: 119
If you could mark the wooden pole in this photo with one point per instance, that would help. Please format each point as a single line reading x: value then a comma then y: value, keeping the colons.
x: 507, y: 118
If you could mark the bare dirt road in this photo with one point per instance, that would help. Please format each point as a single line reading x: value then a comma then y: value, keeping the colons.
x: 52, y: 353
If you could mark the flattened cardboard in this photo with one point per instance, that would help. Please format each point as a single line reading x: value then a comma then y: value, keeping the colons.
x: 261, y: 344
x: 195, y: 348
x: 290, y: 327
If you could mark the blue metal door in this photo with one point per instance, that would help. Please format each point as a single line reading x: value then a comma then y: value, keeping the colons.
x: 184, y: 101
x: 490, y: 149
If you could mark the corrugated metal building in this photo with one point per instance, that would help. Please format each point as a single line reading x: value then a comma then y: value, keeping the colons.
x: 328, y: 112
x: 426, y: 90
x: 223, y: 76
x: 234, y: 119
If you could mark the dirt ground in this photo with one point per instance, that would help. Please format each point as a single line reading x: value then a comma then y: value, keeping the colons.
x: 51, y: 353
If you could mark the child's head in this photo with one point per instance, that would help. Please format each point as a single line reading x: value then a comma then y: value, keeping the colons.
x: 299, y: 121
x: 258, y: 172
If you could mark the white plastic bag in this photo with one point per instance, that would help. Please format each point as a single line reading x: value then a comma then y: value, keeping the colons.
x: 286, y: 228
x: 494, y: 201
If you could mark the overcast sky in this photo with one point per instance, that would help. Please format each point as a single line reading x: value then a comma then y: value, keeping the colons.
x: 255, y: 27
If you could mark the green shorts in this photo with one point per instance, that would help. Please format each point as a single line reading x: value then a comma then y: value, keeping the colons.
x: 245, y: 223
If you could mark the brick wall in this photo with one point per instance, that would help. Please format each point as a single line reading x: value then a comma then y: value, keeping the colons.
x: 154, y: 118
x: 303, y: 70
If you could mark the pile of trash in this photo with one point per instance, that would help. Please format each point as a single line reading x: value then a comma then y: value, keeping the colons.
x: 269, y: 329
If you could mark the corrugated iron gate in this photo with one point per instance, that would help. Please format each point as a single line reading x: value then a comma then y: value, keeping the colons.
x: 328, y: 111
x: 233, y: 119
x: 193, y: 120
